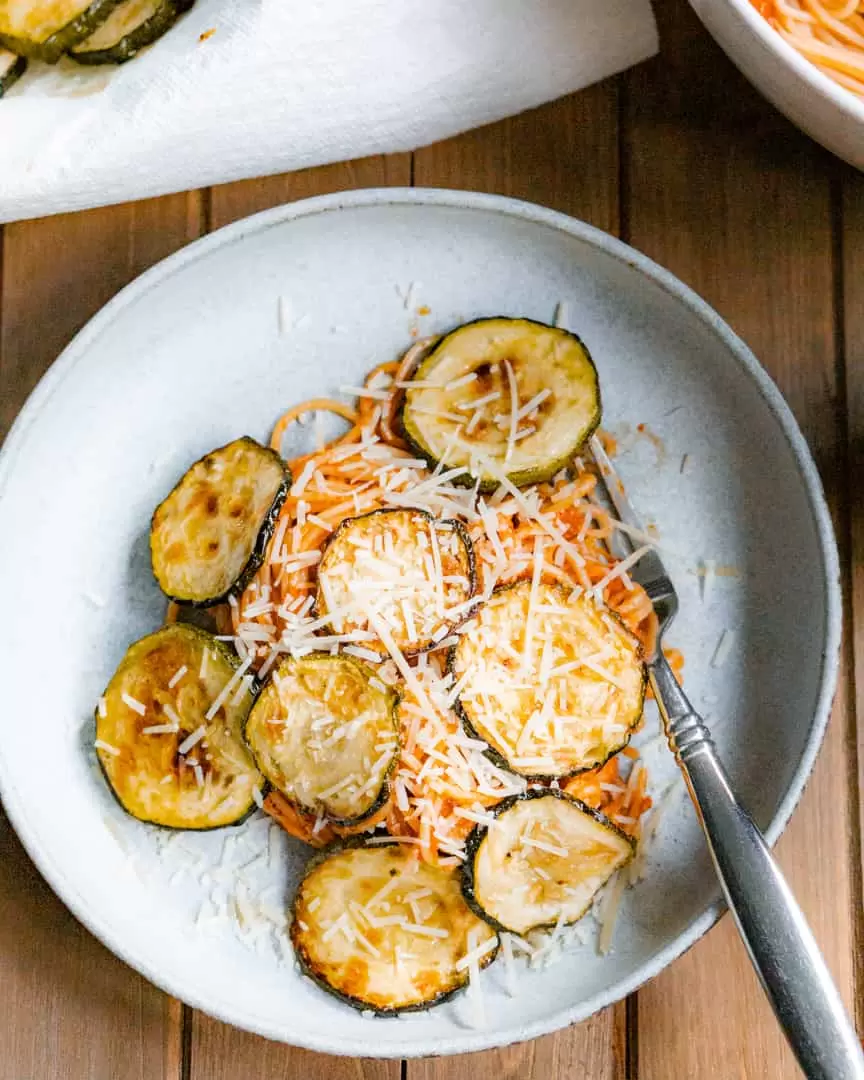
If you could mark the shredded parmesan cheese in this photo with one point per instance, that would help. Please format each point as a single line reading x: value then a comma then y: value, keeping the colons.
x: 227, y: 690
x: 724, y: 647
x: 133, y: 703
x: 177, y: 676
x: 477, y: 953
x: 192, y: 740
x: 514, y: 410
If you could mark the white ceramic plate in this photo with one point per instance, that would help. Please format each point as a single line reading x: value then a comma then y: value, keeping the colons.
x: 190, y: 356
x: 822, y: 108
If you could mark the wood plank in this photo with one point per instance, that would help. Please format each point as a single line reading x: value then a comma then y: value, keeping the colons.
x: 232, y: 201
x: 59, y: 271
x: 217, y: 1050
x: 595, y: 1050
x: 220, y: 1052
x: 564, y: 155
x: 852, y: 266
x: 746, y: 220
x: 71, y: 1010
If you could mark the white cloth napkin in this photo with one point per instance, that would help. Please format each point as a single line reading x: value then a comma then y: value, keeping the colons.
x: 284, y: 84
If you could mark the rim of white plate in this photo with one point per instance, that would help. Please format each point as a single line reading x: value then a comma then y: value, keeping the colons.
x: 52, y: 381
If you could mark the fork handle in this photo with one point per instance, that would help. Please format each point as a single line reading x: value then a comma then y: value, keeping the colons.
x: 781, y: 945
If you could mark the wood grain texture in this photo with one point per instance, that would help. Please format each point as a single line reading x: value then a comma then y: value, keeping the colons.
x: 747, y: 220
x: 851, y: 207
x: 595, y: 1050
x: 219, y: 1052
x: 564, y: 155
x: 229, y: 202
x: 59, y: 271
x: 71, y: 1010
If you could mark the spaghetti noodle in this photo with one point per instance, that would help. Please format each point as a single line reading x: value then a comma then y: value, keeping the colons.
x: 830, y: 35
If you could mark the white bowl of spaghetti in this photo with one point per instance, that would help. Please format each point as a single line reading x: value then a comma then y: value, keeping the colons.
x: 805, y: 56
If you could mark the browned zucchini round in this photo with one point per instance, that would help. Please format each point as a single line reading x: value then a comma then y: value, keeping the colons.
x: 325, y: 736
x: 382, y: 930
x: 401, y: 573
x: 169, y: 732
x: 542, y: 862
x: 209, y: 536
x: 131, y: 27
x: 553, y: 683
x: 44, y: 31
x: 519, y: 395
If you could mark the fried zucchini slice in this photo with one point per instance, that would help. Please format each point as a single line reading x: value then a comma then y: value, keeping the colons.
x: 325, y: 736
x: 131, y: 27
x: 209, y: 536
x: 12, y: 67
x: 544, y: 860
x: 403, y: 573
x: 45, y: 29
x: 380, y: 929
x: 518, y: 395
x: 170, y: 757
x: 553, y: 683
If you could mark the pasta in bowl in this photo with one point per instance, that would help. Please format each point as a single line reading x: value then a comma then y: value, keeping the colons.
x: 805, y: 56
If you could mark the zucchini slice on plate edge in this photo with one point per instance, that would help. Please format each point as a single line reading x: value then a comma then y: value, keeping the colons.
x: 576, y: 849
x: 136, y: 762
x: 542, y: 360
x: 346, y: 882
x: 411, y: 537
x: 47, y: 31
x: 319, y: 722
x: 600, y: 716
x: 210, y: 534
x: 12, y: 67
x: 131, y: 27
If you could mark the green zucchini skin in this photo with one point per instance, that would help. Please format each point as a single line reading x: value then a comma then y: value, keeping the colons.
x: 521, y: 478
x: 61, y: 41
x: 462, y: 531
x: 383, y: 796
x: 308, y: 969
x: 307, y: 965
x: 497, y: 758
x: 265, y: 532
x: 366, y: 671
x: 478, y: 833
x: 12, y: 74
x: 129, y: 47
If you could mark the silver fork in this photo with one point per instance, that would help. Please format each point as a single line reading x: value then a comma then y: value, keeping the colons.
x: 781, y: 945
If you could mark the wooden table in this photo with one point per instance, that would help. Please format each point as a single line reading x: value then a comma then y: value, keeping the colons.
x: 681, y: 159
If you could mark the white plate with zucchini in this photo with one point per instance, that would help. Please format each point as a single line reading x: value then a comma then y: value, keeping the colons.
x: 345, y: 695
